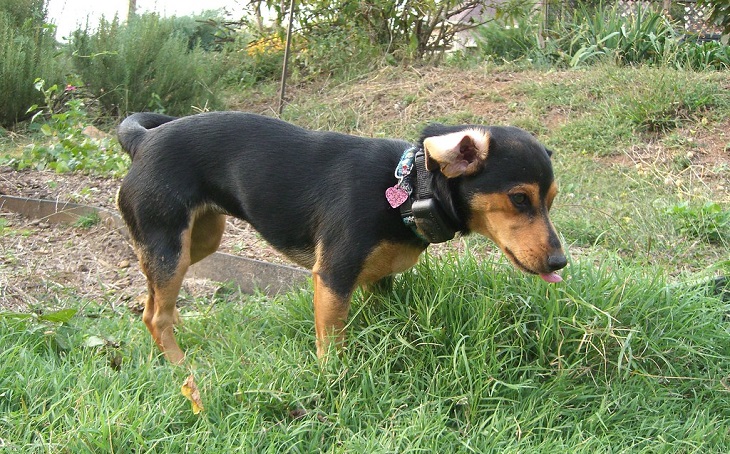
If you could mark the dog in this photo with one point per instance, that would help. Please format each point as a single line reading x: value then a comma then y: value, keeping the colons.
x: 353, y: 210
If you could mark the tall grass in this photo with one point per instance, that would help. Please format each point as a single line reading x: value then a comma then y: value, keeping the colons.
x: 461, y: 357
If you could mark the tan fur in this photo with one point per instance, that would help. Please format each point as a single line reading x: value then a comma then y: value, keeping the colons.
x: 524, y: 239
x: 388, y: 258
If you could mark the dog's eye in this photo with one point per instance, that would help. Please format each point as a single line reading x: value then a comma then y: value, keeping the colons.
x: 520, y: 200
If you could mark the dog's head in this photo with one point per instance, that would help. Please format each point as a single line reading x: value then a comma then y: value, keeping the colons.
x: 504, y: 183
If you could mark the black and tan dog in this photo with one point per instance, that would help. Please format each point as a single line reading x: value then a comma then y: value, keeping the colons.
x: 353, y: 210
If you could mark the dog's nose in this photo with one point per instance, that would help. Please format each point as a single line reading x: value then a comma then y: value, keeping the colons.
x: 556, y: 261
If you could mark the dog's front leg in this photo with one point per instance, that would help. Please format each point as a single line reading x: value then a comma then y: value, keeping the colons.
x: 330, y: 316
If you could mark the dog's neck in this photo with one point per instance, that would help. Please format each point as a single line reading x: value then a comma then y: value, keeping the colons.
x: 428, y: 210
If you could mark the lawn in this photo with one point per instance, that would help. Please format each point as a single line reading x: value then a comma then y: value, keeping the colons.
x: 630, y: 353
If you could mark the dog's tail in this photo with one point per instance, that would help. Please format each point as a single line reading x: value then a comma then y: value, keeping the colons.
x: 133, y: 129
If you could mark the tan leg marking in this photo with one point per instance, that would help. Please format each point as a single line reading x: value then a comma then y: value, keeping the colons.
x: 160, y: 313
x: 330, y: 316
x: 206, y: 235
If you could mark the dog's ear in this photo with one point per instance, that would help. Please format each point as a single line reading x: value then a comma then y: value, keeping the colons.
x: 458, y: 153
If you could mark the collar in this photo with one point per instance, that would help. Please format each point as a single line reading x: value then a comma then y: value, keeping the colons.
x: 413, y: 195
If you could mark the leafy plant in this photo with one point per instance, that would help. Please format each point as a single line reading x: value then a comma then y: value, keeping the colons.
x: 719, y: 12
x: 708, y: 222
x: 87, y: 221
x: 55, y: 326
x: 701, y: 56
x: 66, y: 148
x: 593, y: 31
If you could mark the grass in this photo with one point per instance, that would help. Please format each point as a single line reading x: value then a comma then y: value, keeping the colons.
x: 462, y: 357
x: 629, y: 354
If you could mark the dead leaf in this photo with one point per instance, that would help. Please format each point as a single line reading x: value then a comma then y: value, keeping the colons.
x: 190, y: 390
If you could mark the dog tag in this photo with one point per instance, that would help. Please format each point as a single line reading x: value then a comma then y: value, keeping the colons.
x: 396, y: 196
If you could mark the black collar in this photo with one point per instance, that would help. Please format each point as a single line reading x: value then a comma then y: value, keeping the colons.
x: 423, y: 212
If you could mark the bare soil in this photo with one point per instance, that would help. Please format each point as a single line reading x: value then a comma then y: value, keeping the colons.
x: 41, y: 262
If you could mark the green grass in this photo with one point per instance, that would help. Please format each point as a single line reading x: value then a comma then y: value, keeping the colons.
x: 461, y: 357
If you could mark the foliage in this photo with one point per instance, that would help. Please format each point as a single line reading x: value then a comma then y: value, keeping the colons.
x: 22, y: 12
x: 707, y: 222
x: 594, y: 33
x: 144, y: 65
x: 260, y: 59
x: 208, y: 30
x: 510, y: 40
x: 66, y: 147
x: 643, y: 36
x: 27, y: 51
x: 720, y: 13
x: 407, y: 29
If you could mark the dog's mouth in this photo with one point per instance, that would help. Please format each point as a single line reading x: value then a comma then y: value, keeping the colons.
x: 551, y: 278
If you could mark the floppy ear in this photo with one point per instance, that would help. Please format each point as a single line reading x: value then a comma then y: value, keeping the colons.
x: 456, y: 154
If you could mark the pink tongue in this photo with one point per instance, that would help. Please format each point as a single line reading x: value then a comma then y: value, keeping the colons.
x: 551, y: 278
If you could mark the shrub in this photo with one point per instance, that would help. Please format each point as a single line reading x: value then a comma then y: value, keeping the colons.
x: 509, y: 41
x: 144, y: 65
x: 27, y: 48
x: 643, y: 36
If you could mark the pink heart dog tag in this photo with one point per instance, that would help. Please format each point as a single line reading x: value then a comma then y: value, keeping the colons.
x: 396, y: 196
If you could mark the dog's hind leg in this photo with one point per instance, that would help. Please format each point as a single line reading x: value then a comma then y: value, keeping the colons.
x: 207, y: 231
x: 165, y: 274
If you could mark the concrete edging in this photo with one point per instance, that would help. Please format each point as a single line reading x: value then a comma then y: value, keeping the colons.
x: 249, y: 274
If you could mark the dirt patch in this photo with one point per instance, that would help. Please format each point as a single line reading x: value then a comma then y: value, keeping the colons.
x: 694, y: 160
x: 42, y: 262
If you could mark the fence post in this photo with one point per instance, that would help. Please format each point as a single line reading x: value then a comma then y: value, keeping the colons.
x: 284, y: 70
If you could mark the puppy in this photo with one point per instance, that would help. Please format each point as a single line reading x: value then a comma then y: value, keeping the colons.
x: 354, y: 210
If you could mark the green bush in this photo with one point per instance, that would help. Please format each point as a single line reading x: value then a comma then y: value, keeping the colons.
x: 644, y: 36
x: 144, y: 65
x: 701, y: 56
x: 509, y: 42
x: 27, y: 51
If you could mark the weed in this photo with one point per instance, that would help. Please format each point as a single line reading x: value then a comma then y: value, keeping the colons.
x: 87, y: 221
x: 666, y: 102
x: 707, y: 222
